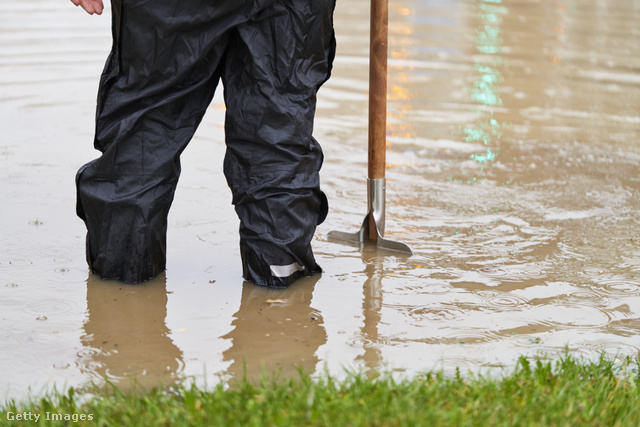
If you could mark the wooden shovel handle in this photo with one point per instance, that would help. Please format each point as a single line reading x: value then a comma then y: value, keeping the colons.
x: 379, y: 34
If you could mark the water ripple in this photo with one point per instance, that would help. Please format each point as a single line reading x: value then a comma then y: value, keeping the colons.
x: 501, y: 301
x: 49, y: 307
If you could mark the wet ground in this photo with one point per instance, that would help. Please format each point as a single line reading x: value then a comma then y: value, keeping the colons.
x: 513, y: 173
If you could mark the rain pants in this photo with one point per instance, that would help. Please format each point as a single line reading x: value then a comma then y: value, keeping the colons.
x: 165, y: 64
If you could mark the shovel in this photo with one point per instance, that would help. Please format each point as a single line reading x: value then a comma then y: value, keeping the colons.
x: 373, y: 224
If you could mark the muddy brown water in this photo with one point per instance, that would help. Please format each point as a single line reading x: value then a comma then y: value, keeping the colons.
x: 513, y: 173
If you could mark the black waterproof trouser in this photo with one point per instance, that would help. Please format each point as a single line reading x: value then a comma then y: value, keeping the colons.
x: 166, y: 61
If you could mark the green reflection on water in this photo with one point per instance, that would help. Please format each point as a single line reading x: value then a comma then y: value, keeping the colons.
x: 486, y: 89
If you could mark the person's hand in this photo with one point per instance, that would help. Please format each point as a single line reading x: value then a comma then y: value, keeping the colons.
x: 91, y: 6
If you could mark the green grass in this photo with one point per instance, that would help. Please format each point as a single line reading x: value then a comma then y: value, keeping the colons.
x: 567, y: 392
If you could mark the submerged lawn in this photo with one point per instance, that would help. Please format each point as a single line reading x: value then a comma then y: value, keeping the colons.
x: 563, y: 393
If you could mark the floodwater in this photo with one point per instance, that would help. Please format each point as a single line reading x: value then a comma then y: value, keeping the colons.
x: 513, y: 173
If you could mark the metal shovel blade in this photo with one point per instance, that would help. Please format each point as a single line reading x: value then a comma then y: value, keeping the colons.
x: 376, y: 202
x: 361, y: 237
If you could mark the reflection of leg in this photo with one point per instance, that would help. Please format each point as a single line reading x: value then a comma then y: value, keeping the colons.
x: 274, y: 68
x: 152, y: 96
x: 276, y: 330
x: 126, y: 336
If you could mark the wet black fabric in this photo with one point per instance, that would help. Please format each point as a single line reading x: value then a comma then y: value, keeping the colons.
x: 166, y: 61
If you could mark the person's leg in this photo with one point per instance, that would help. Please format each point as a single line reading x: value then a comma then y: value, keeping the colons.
x: 274, y: 67
x: 156, y: 86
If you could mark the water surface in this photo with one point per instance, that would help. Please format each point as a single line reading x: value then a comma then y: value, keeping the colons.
x: 513, y: 173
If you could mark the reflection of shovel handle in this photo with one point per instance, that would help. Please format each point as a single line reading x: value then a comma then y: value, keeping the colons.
x: 373, y: 224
